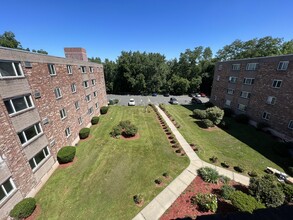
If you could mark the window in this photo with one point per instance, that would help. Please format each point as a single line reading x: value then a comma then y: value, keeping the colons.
x: 91, y: 69
x: 73, y: 88
x: 19, y: 104
x: 283, y: 65
x: 10, y: 69
x: 52, y: 69
x: 76, y: 104
x: 215, y: 98
x: 90, y: 111
x: 242, y: 107
x: 67, y: 132
x: 220, y: 67
x: 83, y: 69
x: 290, y: 125
x: 88, y: 98
x: 37, y: 160
x: 58, y: 93
x: 218, y: 77
x: 230, y: 91
x: 232, y: 79
x: 235, y: 66
x: 94, y: 82
x: 69, y: 69
x: 63, y: 113
x: 228, y: 102
x: 248, y: 81
x: 30, y: 133
x: 245, y: 94
x: 95, y: 93
x: 79, y: 120
x: 97, y: 105
x: 6, y: 189
x: 251, y: 66
x: 85, y: 84
x: 271, y: 100
x: 266, y: 115
x: 277, y: 83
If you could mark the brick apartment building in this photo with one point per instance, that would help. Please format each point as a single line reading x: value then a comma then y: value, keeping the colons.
x: 260, y: 87
x: 44, y: 102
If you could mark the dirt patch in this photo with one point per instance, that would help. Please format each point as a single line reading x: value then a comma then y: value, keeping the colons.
x: 68, y: 164
x: 135, y: 137
x: 35, y: 214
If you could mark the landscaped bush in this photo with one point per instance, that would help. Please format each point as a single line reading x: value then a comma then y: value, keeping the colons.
x: 228, y: 112
x: 209, y: 104
x: 124, y: 124
x: 205, y: 202
x: 104, y: 110
x: 213, y: 159
x: 23, y: 209
x: 66, y: 154
x: 137, y: 198
x: 125, y: 128
x: 158, y: 181
x: 242, y: 118
x: 206, y: 123
x: 266, y: 190
x: 244, y: 202
x: 225, y: 164
x: 239, y: 169
x: 166, y: 175
x: 262, y: 125
x: 130, y: 131
x: 208, y: 174
x: 252, y: 173
x: 227, y: 191
x: 223, y: 124
x: 288, y: 191
x: 95, y: 120
x: 215, y: 114
x: 84, y: 133
x: 116, y: 131
x: 224, y: 179
x: 199, y: 114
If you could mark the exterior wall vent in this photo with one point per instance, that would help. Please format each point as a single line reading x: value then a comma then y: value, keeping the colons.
x: 27, y: 64
x: 45, y: 121
x: 37, y: 94
x: 52, y: 143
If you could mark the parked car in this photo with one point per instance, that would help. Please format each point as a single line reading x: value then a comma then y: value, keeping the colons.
x: 173, y: 101
x: 154, y: 94
x: 191, y: 95
x: 196, y: 100
x: 197, y: 95
x: 202, y: 94
x: 131, y: 102
x: 166, y: 94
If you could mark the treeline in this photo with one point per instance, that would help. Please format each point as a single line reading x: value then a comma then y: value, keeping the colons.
x: 145, y: 73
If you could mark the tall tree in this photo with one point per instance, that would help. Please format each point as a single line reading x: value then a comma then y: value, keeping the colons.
x: 8, y: 40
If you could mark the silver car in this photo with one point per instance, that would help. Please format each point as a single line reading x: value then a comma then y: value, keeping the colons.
x: 131, y: 102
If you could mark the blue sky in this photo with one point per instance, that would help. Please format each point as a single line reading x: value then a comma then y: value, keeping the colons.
x: 105, y: 28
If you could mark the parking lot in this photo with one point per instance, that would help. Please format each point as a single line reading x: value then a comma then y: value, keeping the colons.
x: 145, y: 100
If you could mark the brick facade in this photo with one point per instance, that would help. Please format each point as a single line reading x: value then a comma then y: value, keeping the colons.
x: 257, y: 87
x: 39, y: 84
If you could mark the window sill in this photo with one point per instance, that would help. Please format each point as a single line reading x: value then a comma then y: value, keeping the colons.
x: 6, y: 199
x: 41, y: 164
x: 32, y: 140
x: 11, y: 77
x: 59, y: 98
x: 20, y: 112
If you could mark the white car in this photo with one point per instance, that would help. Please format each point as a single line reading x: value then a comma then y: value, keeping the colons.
x: 131, y: 102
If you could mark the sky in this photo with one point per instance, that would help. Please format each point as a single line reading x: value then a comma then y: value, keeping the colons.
x: 105, y: 28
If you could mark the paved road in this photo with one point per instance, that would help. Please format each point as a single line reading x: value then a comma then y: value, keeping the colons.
x: 144, y: 100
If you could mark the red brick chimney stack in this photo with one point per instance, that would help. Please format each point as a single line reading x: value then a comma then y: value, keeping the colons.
x: 75, y: 53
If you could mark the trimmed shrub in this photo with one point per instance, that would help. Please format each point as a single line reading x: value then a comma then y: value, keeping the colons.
x: 227, y: 191
x: 209, y: 105
x: 208, y: 174
x: 124, y: 124
x: 205, y: 202
x: 116, y: 131
x: 178, y: 151
x: 166, y: 175
x: 130, y: 131
x: 213, y: 159
x: 215, y: 114
x: 224, y: 125
x: 244, y: 202
x: 84, y: 133
x: 228, y: 112
x: 242, y: 118
x: 206, y: 123
x: 66, y: 154
x: 262, y: 125
x: 239, y: 169
x: 225, y: 164
x: 137, y: 198
x: 23, y: 209
x: 158, y: 181
x: 252, y: 173
x: 199, y: 114
x: 95, y: 120
x: 104, y: 110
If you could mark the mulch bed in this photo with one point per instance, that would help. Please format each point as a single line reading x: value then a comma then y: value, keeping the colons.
x: 35, y: 214
x: 135, y: 137
x: 64, y: 165
x: 86, y: 139
x: 182, y: 206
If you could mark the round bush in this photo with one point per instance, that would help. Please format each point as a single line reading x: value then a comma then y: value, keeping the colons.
x: 130, y: 131
x: 205, y: 202
x: 208, y: 174
x: 244, y: 202
x: 242, y: 118
x: 199, y: 114
x: 66, y: 154
x: 23, y: 209
x: 116, y: 131
x: 124, y: 124
x: 95, y: 120
x: 215, y: 114
x: 206, y: 123
x: 227, y: 191
x: 228, y: 112
x: 104, y: 110
x: 84, y: 133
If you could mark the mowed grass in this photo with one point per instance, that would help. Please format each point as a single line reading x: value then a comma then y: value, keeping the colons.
x: 109, y: 172
x: 240, y: 145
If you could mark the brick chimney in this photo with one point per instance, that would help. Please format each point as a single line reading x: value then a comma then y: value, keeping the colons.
x: 76, y: 53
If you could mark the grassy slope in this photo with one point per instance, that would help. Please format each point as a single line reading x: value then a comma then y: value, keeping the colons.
x: 109, y: 172
x: 243, y: 145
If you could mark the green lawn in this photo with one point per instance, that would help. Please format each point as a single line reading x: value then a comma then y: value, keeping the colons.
x: 239, y: 145
x: 109, y: 172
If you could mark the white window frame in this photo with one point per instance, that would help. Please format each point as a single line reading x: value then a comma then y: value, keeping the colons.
x: 38, y: 129
x: 94, y: 82
x: 271, y: 100
x: 67, y: 132
x: 218, y: 78
x: 251, y: 66
x: 228, y: 102
x: 69, y: 69
x: 232, y: 79
x: 63, y: 113
x: 16, y: 73
x: 95, y: 94
x: 58, y: 93
x: 266, y: 115
x: 97, y: 105
x: 80, y: 121
x: 277, y: 83
x: 283, y: 65
x: 245, y: 94
x: 248, y: 81
x: 230, y: 91
x: 290, y: 124
x: 236, y: 66
x: 242, y: 107
x: 91, y: 69
x: 88, y: 97
x: 90, y: 111
x: 76, y: 104
x: 83, y: 69
x: 52, y: 69
x: 7, y: 194
x: 25, y: 98
x: 46, y: 154
x: 73, y: 88
x: 86, y: 84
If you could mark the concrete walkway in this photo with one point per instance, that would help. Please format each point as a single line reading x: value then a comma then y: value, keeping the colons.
x: 157, y: 207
